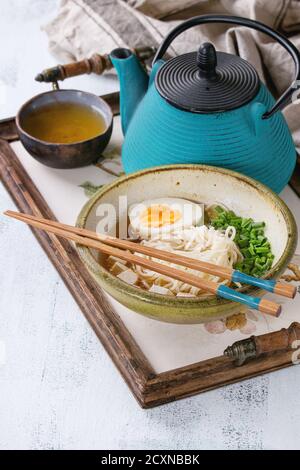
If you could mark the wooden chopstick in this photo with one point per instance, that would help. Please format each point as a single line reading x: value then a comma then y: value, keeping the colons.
x: 62, y: 230
x: 286, y: 290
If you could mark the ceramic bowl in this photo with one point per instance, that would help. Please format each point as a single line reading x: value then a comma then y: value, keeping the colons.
x: 199, y: 183
x: 72, y: 155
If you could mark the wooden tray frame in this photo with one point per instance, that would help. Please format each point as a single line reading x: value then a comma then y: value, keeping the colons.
x: 149, y: 388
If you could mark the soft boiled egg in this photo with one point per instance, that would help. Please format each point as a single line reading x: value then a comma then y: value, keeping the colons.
x: 155, y: 217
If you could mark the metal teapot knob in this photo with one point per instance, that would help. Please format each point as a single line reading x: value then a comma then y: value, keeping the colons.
x: 207, y: 60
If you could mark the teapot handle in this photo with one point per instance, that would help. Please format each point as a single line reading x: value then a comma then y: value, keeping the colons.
x: 288, y: 45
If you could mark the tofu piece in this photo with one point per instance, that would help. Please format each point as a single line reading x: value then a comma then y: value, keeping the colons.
x: 128, y: 276
x: 118, y: 268
x: 160, y: 290
x: 113, y: 259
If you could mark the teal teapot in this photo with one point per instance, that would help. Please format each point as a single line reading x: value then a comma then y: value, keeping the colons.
x: 205, y: 107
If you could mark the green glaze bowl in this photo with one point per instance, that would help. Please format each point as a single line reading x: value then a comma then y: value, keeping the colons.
x: 200, y: 183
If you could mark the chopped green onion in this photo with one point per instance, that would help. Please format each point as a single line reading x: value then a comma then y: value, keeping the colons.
x: 262, y: 249
x: 250, y: 238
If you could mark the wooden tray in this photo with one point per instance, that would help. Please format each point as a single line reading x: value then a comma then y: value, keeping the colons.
x: 149, y: 387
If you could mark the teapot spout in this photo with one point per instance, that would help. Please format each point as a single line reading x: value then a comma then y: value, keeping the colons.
x: 133, y: 82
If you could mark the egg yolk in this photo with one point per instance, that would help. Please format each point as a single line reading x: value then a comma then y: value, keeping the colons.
x: 159, y: 215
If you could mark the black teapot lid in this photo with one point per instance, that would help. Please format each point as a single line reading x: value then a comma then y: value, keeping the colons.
x: 207, y: 81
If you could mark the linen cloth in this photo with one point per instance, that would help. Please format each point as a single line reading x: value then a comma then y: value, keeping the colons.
x: 83, y: 27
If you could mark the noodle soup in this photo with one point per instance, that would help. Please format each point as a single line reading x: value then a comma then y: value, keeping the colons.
x: 248, y: 199
x: 211, y: 233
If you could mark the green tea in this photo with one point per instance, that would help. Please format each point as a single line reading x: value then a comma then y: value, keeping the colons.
x: 64, y: 123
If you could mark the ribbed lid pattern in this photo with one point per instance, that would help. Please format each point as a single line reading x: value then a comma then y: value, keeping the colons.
x: 207, y: 81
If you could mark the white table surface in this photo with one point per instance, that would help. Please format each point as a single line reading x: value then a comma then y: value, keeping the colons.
x: 58, y: 387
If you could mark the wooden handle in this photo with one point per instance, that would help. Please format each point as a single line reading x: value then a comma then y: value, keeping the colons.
x: 277, y: 341
x: 255, y: 346
x: 95, y: 64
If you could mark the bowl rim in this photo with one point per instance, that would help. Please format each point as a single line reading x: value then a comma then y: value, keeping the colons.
x: 55, y: 144
x: 180, y: 302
